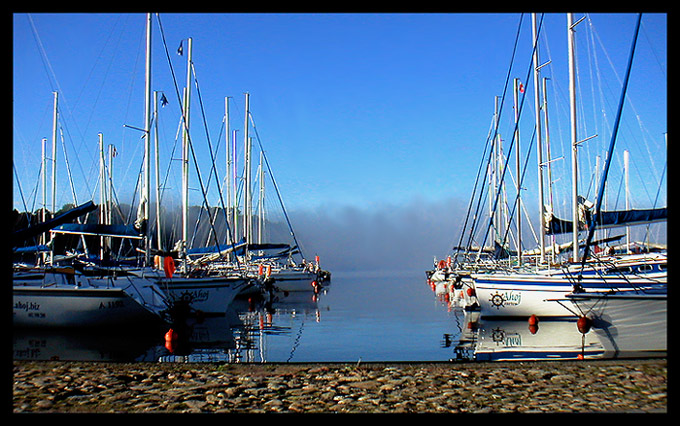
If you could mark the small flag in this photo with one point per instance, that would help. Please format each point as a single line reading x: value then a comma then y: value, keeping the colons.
x: 521, y: 87
x: 115, y: 151
x: 164, y: 100
x: 180, y: 50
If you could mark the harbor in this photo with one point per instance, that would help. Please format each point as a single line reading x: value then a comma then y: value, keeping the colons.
x: 262, y: 244
x: 337, y: 355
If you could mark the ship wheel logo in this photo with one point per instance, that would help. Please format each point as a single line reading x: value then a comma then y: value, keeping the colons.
x: 497, y: 335
x: 497, y: 300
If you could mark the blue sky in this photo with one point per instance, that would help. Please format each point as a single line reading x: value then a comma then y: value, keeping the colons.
x: 353, y: 110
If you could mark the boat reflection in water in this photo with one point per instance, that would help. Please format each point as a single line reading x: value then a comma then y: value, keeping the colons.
x: 603, y: 337
x: 239, y: 336
x: 107, y: 345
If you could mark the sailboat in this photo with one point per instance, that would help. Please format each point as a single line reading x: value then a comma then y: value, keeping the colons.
x: 203, y: 289
x: 579, y: 287
x: 270, y: 262
x: 207, y: 290
x: 57, y: 296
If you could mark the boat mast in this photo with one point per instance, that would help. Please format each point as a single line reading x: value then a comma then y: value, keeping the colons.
x: 574, y: 140
x: 54, y: 152
x: 234, y: 207
x: 185, y: 158
x: 159, y: 233
x: 539, y: 141
x: 260, y: 201
x: 109, y: 187
x: 518, y: 204
x: 246, y: 178
x: 147, y: 142
x: 102, y: 196
x: 626, y: 164
x: 548, y: 163
x: 54, y: 163
x: 600, y: 195
x: 43, y: 237
x: 228, y: 156
x: 494, y: 175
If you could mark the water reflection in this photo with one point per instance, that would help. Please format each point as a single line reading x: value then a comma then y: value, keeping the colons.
x: 515, y: 339
x: 373, y: 318
x: 31, y: 344
x: 239, y: 336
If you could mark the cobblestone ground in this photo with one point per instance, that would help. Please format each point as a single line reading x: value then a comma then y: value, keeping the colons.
x: 552, y: 386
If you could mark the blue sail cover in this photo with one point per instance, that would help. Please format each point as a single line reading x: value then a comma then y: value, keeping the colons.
x: 31, y: 231
x: 119, y: 231
x: 31, y: 249
x: 611, y: 219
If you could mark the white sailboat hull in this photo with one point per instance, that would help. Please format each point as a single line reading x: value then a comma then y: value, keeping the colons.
x: 501, y: 295
x: 210, y: 295
x: 68, y: 300
x: 629, y: 325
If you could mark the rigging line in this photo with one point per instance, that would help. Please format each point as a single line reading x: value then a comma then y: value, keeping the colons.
x: 212, y: 159
x: 644, y: 187
x: 43, y: 56
x: 21, y: 193
x: 521, y: 181
x: 28, y: 215
x: 219, y: 137
x: 184, y: 119
x: 474, y: 191
x: 641, y: 125
x: 105, y: 76
x: 276, y: 187
x: 203, y: 191
x: 656, y: 198
x: 603, y: 181
x: 34, y: 192
x: 54, y: 83
x: 512, y: 140
x: 172, y: 155
x: 653, y: 50
x: 505, y: 88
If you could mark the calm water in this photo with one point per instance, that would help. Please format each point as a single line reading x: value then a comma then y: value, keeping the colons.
x: 360, y: 317
x: 367, y: 317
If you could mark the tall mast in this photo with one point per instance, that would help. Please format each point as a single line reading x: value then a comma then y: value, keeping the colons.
x: 518, y: 206
x: 159, y: 233
x: 109, y: 187
x: 43, y: 238
x: 185, y: 156
x: 574, y: 139
x: 109, y: 193
x: 54, y: 152
x: 234, y: 209
x: 147, y: 141
x: 102, y: 191
x: 539, y: 139
x: 626, y: 164
x: 246, y: 179
x: 494, y: 173
x: 227, y: 135
x: 548, y: 161
x: 260, y: 201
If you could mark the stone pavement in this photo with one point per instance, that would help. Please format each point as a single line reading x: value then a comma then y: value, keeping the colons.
x: 471, y: 387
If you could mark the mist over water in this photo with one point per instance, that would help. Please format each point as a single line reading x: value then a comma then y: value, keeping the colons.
x: 386, y: 238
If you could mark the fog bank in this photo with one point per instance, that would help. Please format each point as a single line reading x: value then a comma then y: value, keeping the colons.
x: 402, y: 238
